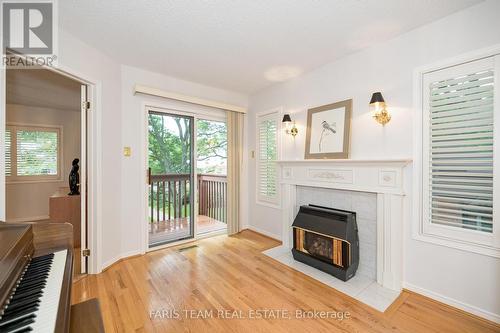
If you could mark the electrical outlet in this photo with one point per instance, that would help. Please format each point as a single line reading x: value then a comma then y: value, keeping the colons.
x: 253, y: 153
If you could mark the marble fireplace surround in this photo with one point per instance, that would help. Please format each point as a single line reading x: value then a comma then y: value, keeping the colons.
x: 381, y: 177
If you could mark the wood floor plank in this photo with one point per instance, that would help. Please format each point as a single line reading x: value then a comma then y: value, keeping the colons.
x: 223, y: 277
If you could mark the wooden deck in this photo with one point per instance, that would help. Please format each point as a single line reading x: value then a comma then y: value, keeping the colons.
x: 142, y: 294
x: 179, y: 228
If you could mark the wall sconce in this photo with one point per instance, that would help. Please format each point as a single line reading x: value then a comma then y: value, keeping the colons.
x: 287, y: 121
x: 377, y: 106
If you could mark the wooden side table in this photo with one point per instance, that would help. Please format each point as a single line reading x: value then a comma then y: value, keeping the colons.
x: 66, y: 208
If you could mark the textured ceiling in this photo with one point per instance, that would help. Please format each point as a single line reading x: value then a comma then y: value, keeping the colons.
x: 242, y: 45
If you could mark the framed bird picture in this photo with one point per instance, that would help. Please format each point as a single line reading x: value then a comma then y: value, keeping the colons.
x: 328, y: 131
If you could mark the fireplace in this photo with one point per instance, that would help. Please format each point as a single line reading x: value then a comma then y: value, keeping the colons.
x: 327, y: 239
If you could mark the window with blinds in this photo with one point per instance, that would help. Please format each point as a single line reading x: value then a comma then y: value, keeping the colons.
x: 461, y: 151
x: 267, y: 174
x: 458, y: 169
x: 8, y: 155
x: 32, y: 153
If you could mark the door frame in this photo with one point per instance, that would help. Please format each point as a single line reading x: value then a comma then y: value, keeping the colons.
x: 196, y: 112
x: 92, y: 216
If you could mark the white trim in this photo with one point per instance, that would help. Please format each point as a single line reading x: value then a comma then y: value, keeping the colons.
x: 3, y: 121
x: 145, y: 188
x: 122, y: 256
x: 212, y: 234
x: 59, y: 129
x: 392, y: 162
x: 261, y: 202
x: 459, y: 59
x: 213, y: 117
x: 181, y: 110
x: 83, y: 174
x: 264, y: 232
x: 271, y: 113
x: 29, y: 219
x: 358, y: 176
x: 39, y: 181
x: 110, y: 262
x: 453, y: 302
x: 94, y: 161
x: 140, y: 89
x: 418, y: 231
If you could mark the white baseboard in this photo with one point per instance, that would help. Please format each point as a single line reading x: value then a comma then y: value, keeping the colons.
x: 112, y: 261
x: 453, y: 302
x: 108, y: 263
x: 29, y: 219
x: 264, y: 232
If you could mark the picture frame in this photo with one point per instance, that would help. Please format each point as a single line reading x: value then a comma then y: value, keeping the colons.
x: 328, y: 131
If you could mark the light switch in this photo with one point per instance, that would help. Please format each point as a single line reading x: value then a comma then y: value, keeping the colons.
x: 253, y: 153
x: 127, y: 151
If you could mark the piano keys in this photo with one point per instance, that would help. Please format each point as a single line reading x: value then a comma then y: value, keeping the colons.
x: 36, y: 271
x: 32, y: 307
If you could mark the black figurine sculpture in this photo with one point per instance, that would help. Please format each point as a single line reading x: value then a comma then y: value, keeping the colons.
x: 74, y: 178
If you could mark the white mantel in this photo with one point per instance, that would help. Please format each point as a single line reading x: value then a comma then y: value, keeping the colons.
x: 383, y: 177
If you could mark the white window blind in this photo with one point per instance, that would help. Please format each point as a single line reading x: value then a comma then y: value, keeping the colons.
x: 461, y: 150
x: 32, y: 153
x: 459, y: 155
x: 8, y: 162
x: 267, y: 174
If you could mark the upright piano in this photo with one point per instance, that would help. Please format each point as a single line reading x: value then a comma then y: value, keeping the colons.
x: 36, y: 269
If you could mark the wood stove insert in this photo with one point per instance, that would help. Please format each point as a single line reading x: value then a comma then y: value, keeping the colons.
x: 327, y: 239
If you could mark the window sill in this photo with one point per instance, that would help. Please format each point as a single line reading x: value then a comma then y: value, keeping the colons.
x: 33, y: 181
x: 268, y: 204
x: 458, y: 244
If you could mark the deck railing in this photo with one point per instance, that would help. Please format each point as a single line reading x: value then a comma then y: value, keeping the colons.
x: 212, y: 196
x: 169, y: 196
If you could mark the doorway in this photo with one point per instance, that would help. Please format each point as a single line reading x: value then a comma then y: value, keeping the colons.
x: 170, y: 177
x: 187, y: 175
x: 46, y: 130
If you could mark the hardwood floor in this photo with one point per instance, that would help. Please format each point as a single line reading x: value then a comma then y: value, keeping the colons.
x: 230, y: 273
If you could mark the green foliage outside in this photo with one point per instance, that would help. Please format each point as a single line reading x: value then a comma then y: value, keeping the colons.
x: 169, y: 152
x: 170, y: 143
x: 36, y: 152
x: 211, y: 141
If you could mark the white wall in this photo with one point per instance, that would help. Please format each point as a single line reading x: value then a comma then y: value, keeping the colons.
x: 389, y: 67
x: 134, y: 136
x: 37, y: 194
x: 89, y: 63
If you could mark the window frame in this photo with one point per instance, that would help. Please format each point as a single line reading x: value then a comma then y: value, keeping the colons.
x: 274, y: 114
x: 423, y: 229
x: 16, y: 179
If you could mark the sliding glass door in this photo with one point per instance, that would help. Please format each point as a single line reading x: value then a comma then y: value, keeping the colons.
x: 211, y: 157
x: 171, y: 178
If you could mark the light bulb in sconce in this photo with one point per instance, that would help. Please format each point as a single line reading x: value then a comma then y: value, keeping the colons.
x: 378, y: 109
x: 287, y: 120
